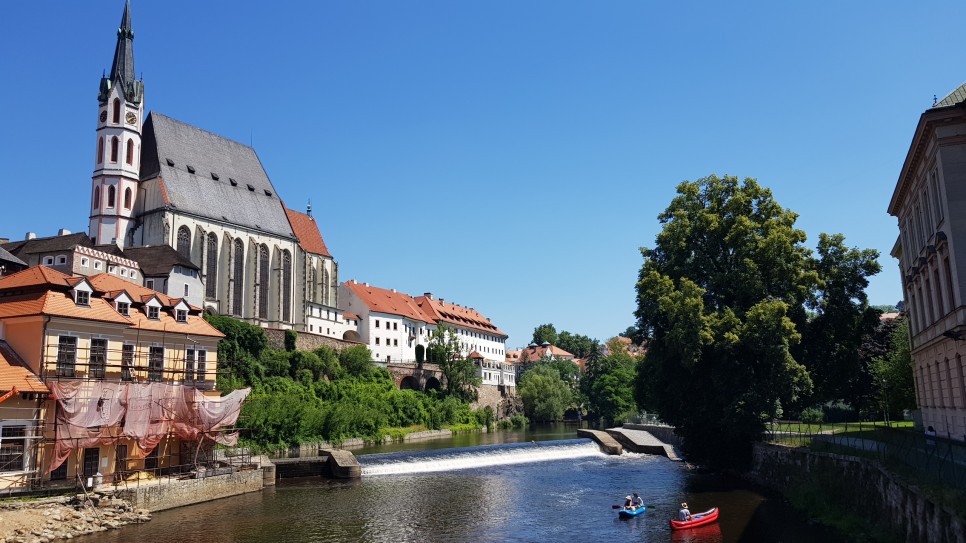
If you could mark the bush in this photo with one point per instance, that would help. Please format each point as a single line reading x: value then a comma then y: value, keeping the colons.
x: 812, y: 415
x: 291, y: 337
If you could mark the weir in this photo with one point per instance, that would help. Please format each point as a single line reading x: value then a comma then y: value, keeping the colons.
x: 475, y: 457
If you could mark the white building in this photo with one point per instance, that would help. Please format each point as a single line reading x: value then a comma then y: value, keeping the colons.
x: 927, y: 201
x: 393, y: 323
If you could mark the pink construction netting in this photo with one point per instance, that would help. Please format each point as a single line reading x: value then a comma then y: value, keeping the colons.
x: 92, y: 413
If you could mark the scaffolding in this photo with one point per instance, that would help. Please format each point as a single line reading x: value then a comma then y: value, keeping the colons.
x: 144, y: 405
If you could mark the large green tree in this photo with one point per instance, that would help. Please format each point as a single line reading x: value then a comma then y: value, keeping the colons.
x: 545, y: 333
x: 892, y: 372
x: 715, y: 301
x: 545, y: 395
x: 608, y: 383
x: 840, y: 321
x: 460, y: 372
x: 576, y: 344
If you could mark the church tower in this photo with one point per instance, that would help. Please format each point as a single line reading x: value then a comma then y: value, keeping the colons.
x: 120, y: 113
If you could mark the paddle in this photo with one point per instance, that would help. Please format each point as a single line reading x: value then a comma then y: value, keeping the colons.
x: 620, y: 506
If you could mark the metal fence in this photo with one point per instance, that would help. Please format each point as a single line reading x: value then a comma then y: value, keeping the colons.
x: 911, y: 454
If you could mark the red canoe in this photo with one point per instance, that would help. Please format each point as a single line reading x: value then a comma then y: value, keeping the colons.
x: 700, y: 519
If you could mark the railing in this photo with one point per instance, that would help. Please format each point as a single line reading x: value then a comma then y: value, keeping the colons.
x: 928, y: 459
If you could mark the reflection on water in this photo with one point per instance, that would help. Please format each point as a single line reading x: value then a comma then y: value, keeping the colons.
x: 564, y: 499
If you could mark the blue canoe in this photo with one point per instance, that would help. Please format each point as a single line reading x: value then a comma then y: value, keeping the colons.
x: 628, y: 513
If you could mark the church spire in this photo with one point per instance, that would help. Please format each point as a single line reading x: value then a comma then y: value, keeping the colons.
x: 122, y: 70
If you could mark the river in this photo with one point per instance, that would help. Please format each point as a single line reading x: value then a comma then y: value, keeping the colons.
x: 491, y: 488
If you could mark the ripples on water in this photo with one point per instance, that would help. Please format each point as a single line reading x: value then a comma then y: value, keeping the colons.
x: 555, y: 492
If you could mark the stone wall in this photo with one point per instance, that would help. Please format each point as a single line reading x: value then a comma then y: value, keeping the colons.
x: 167, y: 494
x: 306, y: 341
x: 504, y: 404
x: 852, y: 480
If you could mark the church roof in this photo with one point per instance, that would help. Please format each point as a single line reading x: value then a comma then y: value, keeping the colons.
x: 158, y: 259
x: 307, y: 230
x: 212, y: 177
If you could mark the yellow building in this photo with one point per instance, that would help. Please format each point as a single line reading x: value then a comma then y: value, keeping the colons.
x: 130, y: 374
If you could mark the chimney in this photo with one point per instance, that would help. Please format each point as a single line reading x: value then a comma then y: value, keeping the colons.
x: 308, y: 209
x: 63, y: 232
x: 428, y: 295
x: 30, y: 235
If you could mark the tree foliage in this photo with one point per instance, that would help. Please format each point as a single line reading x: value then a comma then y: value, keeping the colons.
x: 892, y: 373
x: 608, y: 384
x: 545, y: 333
x: 545, y: 395
x: 832, y: 339
x: 300, y: 396
x: 716, y: 298
x: 460, y: 372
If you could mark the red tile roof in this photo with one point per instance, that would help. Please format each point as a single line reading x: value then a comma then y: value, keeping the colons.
x: 307, y: 230
x: 34, y: 276
x: 381, y: 300
x: 14, y: 373
x: 533, y: 354
x: 59, y: 304
x: 456, y: 314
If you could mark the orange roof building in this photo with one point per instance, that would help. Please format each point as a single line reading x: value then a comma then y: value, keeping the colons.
x: 57, y: 329
x: 393, y: 323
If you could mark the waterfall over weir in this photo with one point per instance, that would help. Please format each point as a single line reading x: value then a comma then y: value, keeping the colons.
x: 475, y: 457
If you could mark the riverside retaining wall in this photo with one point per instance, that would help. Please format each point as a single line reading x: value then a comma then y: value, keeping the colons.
x: 886, y: 501
x: 167, y: 494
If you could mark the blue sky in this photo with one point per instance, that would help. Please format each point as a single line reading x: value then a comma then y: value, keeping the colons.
x: 510, y: 156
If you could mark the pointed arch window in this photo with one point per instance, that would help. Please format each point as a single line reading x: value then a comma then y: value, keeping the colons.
x: 211, y: 266
x: 97, y: 197
x: 100, y: 150
x: 127, y: 198
x: 184, y: 242
x: 325, y: 286
x: 313, y: 283
x: 116, y: 114
x: 114, y: 145
x: 110, y: 196
x: 286, y: 286
x: 130, y: 151
x: 263, y: 281
x: 238, y: 278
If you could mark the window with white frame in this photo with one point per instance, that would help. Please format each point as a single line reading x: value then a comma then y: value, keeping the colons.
x: 97, y: 265
x: 48, y: 261
x: 82, y: 297
x: 13, y: 445
x: 66, y: 356
x: 149, y: 283
x: 155, y: 363
x: 127, y: 362
x: 61, y: 259
x: 97, y: 361
x: 85, y: 262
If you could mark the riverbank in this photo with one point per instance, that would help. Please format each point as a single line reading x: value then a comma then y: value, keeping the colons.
x: 49, y: 519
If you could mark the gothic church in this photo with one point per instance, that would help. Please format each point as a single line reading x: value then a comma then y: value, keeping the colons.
x: 159, y: 181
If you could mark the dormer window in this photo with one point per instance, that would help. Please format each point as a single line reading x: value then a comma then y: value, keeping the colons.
x: 82, y: 297
x: 180, y: 315
x: 123, y: 308
x: 154, y: 313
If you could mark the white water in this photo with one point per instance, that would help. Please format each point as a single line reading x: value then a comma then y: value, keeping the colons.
x: 475, y: 457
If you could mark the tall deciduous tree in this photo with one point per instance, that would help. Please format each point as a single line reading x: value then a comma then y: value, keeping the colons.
x: 460, y: 372
x: 892, y: 373
x: 545, y: 333
x: 576, y: 344
x: 608, y: 383
x: 545, y: 395
x: 832, y: 339
x: 715, y: 297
